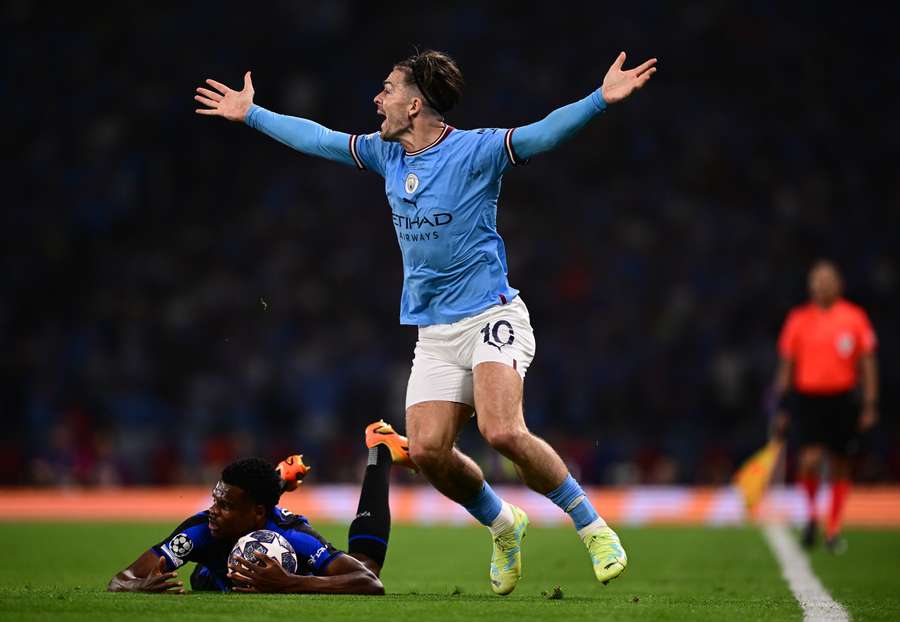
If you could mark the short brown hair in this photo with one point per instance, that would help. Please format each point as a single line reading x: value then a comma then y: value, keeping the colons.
x: 437, y: 76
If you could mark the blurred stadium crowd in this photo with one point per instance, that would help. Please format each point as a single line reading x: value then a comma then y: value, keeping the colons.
x: 178, y: 290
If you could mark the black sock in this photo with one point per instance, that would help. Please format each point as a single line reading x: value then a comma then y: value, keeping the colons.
x: 370, y: 529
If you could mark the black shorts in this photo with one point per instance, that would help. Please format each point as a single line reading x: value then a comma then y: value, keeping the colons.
x: 829, y: 420
x: 204, y: 580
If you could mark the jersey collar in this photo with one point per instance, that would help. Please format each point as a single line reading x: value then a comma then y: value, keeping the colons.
x: 839, y: 301
x: 444, y: 134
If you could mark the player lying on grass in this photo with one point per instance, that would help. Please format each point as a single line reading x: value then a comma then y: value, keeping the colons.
x: 475, y: 336
x: 244, y: 500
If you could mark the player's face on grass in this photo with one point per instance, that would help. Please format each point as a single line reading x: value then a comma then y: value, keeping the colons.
x: 232, y: 513
x: 824, y: 284
x: 395, y: 103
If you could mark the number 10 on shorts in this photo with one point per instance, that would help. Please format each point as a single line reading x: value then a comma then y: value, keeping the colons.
x: 498, y: 334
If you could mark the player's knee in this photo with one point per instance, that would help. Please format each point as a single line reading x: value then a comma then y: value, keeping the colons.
x: 811, y: 457
x: 427, y: 455
x: 506, y: 440
x: 840, y: 466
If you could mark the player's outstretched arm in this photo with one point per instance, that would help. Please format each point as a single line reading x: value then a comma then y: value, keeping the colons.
x: 344, y: 575
x: 565, y: 122
x: 301, y: 134
x: 147, y: 574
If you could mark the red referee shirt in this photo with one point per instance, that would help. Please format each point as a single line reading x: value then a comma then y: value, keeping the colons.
x: 825, y: 346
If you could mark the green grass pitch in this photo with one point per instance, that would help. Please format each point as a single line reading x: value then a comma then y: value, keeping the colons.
x: 440, y: 573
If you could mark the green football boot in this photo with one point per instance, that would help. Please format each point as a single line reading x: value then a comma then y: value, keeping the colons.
x: 607, y: 554
x: 506, y: 563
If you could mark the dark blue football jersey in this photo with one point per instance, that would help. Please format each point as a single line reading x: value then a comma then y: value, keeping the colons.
x: 192, y: 541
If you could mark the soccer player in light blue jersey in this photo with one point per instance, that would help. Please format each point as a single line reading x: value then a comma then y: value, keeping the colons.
x: 475, y: 336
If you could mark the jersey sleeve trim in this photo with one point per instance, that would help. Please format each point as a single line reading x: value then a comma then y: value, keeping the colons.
x: 354, y: 153
x: 172, y: 562
x: 510, y: 152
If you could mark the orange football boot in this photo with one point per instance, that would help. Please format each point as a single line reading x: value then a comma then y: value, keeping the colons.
x: 381, y: 433
x: 292, y: 471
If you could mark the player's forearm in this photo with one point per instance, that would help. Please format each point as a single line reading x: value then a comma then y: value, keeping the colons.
x: 556, y: 127
x: 125, y: 581
x: 361, y: 582
x: 783, y: 378
x: 301, y: 134
x: 869, y: 379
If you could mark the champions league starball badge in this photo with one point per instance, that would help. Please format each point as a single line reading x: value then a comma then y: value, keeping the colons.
x: 181, y: 545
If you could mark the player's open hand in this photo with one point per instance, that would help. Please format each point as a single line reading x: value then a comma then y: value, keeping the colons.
x: 266, y: 576
x: 619, y: 84
x: 160, y: 581
x: 226, y: 102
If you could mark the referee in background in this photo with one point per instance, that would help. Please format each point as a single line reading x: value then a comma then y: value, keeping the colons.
x: 826, y: 349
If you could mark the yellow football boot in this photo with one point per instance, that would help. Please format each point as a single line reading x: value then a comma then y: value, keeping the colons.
x: 506, y: 562
x: 607, y: 554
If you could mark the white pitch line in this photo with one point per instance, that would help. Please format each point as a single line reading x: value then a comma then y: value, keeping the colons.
x: 814, y: 599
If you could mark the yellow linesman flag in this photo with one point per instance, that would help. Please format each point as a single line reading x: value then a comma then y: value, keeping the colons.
x: 754, y: 476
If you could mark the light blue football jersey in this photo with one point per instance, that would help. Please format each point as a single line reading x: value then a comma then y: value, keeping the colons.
x: 443, y: 201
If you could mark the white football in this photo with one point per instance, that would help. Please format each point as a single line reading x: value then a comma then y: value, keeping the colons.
x: 270, y: 544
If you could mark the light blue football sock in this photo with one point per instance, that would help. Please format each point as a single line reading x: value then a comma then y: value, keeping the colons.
x: 570, y: 498
x: 485, y: 506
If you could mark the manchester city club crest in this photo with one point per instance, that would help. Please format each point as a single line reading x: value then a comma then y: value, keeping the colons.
x: 412, y: 182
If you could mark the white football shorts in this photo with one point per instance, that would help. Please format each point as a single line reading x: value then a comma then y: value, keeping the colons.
x: 446, y: 354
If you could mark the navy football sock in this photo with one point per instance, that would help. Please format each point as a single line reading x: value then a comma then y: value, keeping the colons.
x: 371, y: 528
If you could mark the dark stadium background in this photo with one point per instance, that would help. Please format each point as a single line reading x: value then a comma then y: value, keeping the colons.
x: 177, y: 290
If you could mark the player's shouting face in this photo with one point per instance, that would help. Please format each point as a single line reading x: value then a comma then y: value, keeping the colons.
x: 398, y: 102
x: 233, y: 513
x: 420, y: 89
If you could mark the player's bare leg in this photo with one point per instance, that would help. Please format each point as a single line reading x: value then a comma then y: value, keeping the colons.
x: 839, y: 466
x: 498, y: 402
x: 810, y: 460
x: 809, y: 469
x: 433, y: 428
